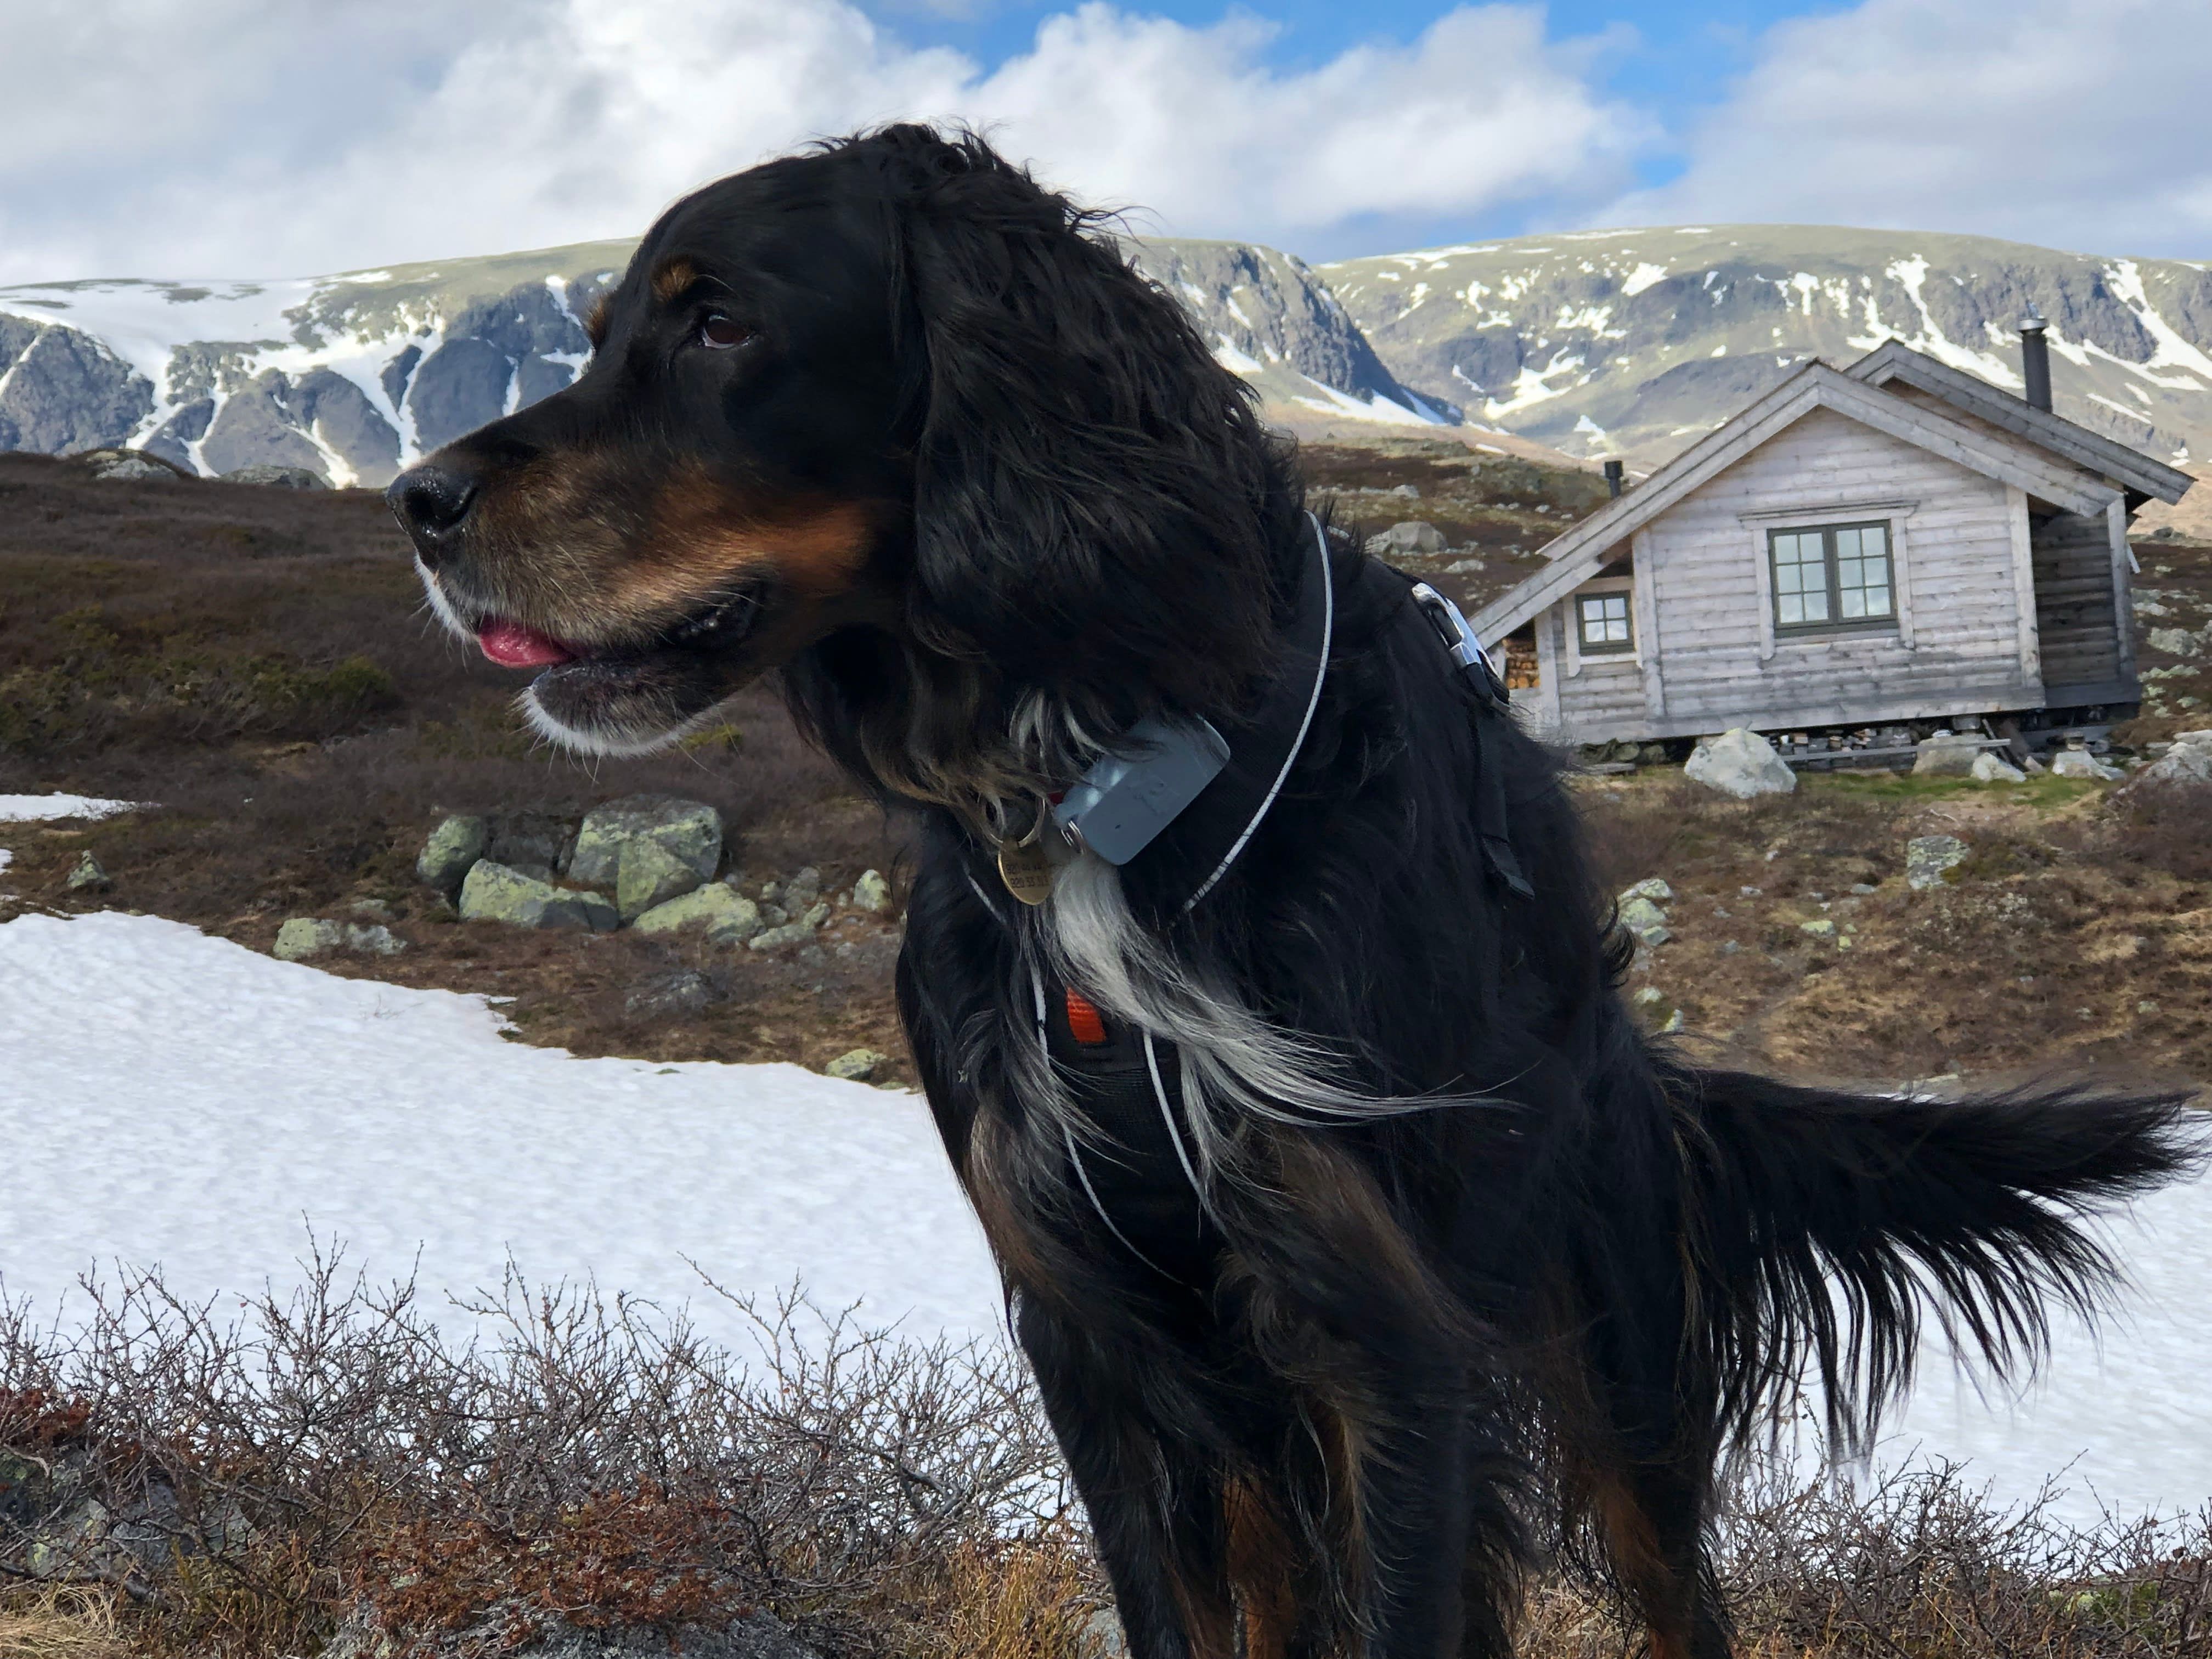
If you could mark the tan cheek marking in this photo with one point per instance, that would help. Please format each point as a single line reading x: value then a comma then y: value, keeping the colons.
x: 704, y: 538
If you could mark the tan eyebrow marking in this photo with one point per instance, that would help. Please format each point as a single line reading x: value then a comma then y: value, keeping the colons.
x: 672, y: 275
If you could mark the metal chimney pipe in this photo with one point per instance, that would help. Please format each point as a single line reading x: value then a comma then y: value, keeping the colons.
x: 2035, y: 358
x: 1612, y: 476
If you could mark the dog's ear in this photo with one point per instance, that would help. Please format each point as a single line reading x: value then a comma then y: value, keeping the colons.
x: 1096, y: 498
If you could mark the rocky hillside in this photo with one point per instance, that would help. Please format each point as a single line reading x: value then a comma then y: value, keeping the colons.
x: 354, y: 376
x: 1632, y: 343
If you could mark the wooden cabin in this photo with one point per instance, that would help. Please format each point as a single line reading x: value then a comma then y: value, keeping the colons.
x: 1891, y: 543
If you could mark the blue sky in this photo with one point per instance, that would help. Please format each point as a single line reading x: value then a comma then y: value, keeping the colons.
x: 366, y: 132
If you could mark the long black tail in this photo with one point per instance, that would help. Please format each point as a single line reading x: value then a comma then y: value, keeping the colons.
x: 1831, y: 1227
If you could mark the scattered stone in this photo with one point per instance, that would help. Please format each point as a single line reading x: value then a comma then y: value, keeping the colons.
x: 376, y: 939
x: 492, y: 892
x: 858, y: 1065
x: 2148, y: 1005
x: 802, y: 890
x: 2189, y: 761
x: 453, y: 845
x: 727, y: 916
x: 1654, y: 888
x: 1988, y: 768
x: 1929, y: 860
x: 1675, y: 1023
x: 648, y: 874
x: 1646, y: 921
x: 302, y: 937
x: 86, y: 876
x: 871, y: 892
x: 817, y: 914
x: 684, y: 992
x: 1742, y: 763
x: 281, y: 477
x: 1863, y: 888
x: 1464, y: 567
x: 131, y: 465
x: 791, y: 933
x: 1730, y: 947
x: 1945, y: 756
x: 2081, y: 764
x: 1649, y: 997
x: 1411, y: 536
x: 1820, y: 928
x: 2174, y: 642
x: 1751, y: 892
x: 690, y: 830
x: 374, y: 909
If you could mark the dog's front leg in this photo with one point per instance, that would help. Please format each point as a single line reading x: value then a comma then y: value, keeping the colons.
x: 1155, y: 1510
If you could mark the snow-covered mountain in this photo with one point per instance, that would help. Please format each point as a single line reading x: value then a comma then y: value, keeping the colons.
x: 1634, y: 342
x: 354, y: 376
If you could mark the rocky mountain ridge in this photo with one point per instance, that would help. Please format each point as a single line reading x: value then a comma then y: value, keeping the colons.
x: 1625, y: 344
x: 354, y: 376
x: 1632, y: 343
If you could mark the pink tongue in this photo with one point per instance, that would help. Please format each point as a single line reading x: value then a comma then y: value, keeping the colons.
x: 512, y: 646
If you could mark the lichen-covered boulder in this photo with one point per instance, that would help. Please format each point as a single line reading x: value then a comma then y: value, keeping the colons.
x: 775, y: 938
x: 2188, y: 762
x: 1646, y: 921
x: 648, y: 874
x: 302, y: 937
x: 457, y: 843
x: 871, y: 892
x: 690, y: 830
x: 1929, y: 860
x: 1741, y: 763
x: 2081, y: 764
x: 86, y: 875
x: 726, y: 916
x: 1654, y: 888
x: 492, y: 892
x: 857, y: 1065
x: 268, y: 474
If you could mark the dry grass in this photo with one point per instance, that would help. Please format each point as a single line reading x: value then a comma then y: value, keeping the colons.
x: 587, y: 1465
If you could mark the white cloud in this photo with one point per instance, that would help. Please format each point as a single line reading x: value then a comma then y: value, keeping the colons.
x: 2073, y: 123
x: 227, y: 138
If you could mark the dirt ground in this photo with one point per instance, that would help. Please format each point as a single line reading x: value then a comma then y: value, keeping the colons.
x: 255, y: 661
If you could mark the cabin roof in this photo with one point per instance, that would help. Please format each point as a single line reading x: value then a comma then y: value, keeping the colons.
x: 1895, y: 361
x: 2033, y: 463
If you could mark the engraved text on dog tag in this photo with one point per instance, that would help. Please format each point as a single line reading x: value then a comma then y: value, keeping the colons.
x: 1026, y: 870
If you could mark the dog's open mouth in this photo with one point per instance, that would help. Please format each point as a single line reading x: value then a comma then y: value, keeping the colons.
x: 626, y: 696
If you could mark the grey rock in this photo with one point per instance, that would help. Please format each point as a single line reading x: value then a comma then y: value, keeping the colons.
x: 373, y: 939
x: 2189, y: 761
x: 1741, y: 763
x: 759, y: 1635
x: 2081, y: 764
x: 132, y: 466
x: 684, y: 992
x: 726, y: 916
x: 1646, y: 921
x: 1988, y: 768
x: 1929, y: 860
x: 303, y: 937
x: 648, y: 874
x: 492, y: 892
x: 802, y: 890
x: 86, y: 876
x: 1945, y: 756
x: 533, y: 840
x: 259, y: 426
x: 2174, y: 642
x: 859, y: 1065
x: 1412, y: 536
x: 871, y: 892
x: 817, y: 914
x: 689, y: 829
x: 775, y: 938
x: 457, y: 842
x: 277, y: 476
x: 1654, y: 888
x: 1820, y: 927
x: 62, y: 391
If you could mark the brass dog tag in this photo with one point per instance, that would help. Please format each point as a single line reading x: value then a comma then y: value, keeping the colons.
x: 1026, y: 870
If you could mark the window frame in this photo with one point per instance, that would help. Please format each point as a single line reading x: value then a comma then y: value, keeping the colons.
x: 1835, y: 622
x: 1621, y: 647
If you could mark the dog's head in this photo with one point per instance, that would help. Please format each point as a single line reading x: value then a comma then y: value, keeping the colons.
x: 889, y: 416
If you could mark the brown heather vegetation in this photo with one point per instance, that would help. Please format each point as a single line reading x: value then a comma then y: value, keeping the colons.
x: 256, y: 662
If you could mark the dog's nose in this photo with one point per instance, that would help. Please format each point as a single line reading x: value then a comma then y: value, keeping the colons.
x: 431, y: 502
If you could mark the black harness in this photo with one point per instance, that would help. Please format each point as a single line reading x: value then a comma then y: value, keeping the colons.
x: 1141, y: 1173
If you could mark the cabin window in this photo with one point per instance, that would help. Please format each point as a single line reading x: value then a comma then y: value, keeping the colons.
x: 1602, y: 620
x: 1831, y: 578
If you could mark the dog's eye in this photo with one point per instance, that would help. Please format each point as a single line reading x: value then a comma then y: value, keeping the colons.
x: 720, y: 333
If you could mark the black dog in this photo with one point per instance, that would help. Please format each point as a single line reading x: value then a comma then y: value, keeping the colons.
x: 1350, y: 1225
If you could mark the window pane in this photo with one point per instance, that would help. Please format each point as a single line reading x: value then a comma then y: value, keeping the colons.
x: 1863, y: 579
x: 1800, y: 578
x: 1604, y: 619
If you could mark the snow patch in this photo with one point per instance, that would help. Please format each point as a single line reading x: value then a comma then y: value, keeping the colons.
x: 35, y: 808
x: 1642, y: 277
